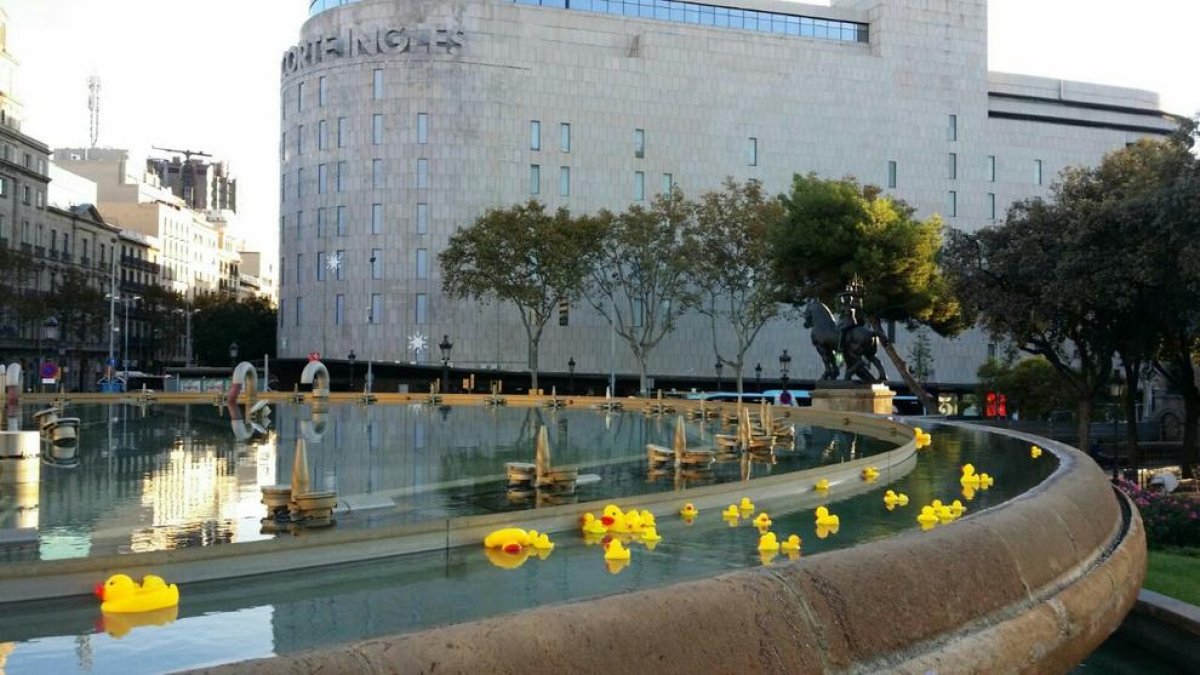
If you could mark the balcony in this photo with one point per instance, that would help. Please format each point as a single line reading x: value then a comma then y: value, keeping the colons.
x: 39, y: 251
x: 129, y: 262
x: 85, y: 261
x: 54, y: 254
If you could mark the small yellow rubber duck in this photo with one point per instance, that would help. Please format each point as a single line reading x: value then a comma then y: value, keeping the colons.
x: 746, y: 504
x: 616, y: 551
x: 592, y: 525
x: 957, y: 508
x: 928, y: 517
x: 892, y: 499
x: 650, y: 535
x: 768, y: 542
x: 969, y: 477
x: 731, y: 513
x: 968, y: 492
x: 648, y: 519
x: 986, y: 481
x: 542, y: 542
x: 792, y: 543
x: 826, y: 519
x: 921, y: 438
x: 1035, y: 451
x: 870, y: 473
x: 762, y: 520
x: 821, y: 485
x: 689, y: 510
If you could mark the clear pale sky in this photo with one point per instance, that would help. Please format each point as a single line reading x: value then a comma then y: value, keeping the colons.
x: 204, y: 74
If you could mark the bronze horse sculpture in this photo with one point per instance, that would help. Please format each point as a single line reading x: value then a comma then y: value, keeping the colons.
x: 858, y: 351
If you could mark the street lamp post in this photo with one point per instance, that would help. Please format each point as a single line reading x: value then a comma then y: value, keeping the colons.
x: 785, y: 363
x: 50, y: 333
x: 187, y: 349
x: 351, y: 357
x: 445, y: 345
x: 758, y: 376
x: 233, y: 352
x: 571, y: 371
x: 125, y: 359
x: 720, y: 366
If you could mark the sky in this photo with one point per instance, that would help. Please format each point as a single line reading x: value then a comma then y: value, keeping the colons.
x: 204, y: 75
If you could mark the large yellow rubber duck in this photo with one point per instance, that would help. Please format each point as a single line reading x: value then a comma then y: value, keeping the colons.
x: 762, y: 520
x: 121, y: 594
x: 508, y: 539
x: 689, y: 510
x: 792, y: 543
x: 821, y: 485
x: 870, y: 473
x: 826, y: 519
x: 768, y: 542
x: 892, y: 499
x: 928, y: 517
x: 1035, y: 451
x: 592, y: 525
x: 616, y: 551
x: 746, y: 504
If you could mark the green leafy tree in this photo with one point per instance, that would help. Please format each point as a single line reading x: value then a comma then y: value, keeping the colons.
x: 639, y: 279
x: 162, y: 310
x: 836, y: 229
x: 522, y: 255
x: 732, y: 268
x: 224, y: 319
x: 81, y: 309
x: 1033, y: 387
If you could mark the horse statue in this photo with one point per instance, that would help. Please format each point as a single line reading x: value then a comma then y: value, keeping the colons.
x: 858, y: 351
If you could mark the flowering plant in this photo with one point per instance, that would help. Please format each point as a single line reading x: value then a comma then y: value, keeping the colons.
x: 1171, y: 520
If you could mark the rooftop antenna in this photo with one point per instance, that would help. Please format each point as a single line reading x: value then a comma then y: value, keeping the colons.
x: 93, y: 83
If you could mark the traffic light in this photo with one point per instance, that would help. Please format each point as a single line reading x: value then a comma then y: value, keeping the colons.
x: 564, y: 312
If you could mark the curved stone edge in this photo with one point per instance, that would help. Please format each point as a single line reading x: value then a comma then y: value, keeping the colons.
x: 76, y: 576
x: 1034, y: 584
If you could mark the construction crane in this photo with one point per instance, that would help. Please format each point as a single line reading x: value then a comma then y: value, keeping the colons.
x: 187, y: 154
x: 93, y: 83
x: 186, y: 181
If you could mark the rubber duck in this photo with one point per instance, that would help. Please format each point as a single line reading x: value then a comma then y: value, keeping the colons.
x: 731, y: 513
x: 969, y: 476
x: 616, y: 551
x: 510, y: 539
x: 746, y: 504
x: 968, y: 492
x: 630, y: 522
x: 648, y: 519
x: 870, y: 473
x: 986, y: 481
x: 1035, y: 451
x: 826, y: 519
x: 821, y: 485
x: 592, y: 525
x: 893, y: 499
x: 119, y: 625
x: 120, y: 594
x: 542, y: 542
x: 957, y: 508
x: 689, y: 511
x: 650, y: 535
x: 762, y: 520
x: 921, y: 438
x: 768, y: 542
x: 792, y: 543
x: 928, y: 517
x: 944, y: 514
x: 610, y: 515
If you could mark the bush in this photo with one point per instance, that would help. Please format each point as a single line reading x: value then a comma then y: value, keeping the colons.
x: 1170, y: 520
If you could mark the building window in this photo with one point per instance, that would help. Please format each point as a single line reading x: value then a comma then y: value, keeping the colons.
x: 377, y: 129
x: 341, y: 132
x: 339, y: 269
x: 953, y: 205
x: 283, y: 146
x: 639, y: 186
x: 322, y: 178
x: 952, y: 169
x: 637, y: 320
x: 991, y: 168
x: 535, y: 135
x: 376, y: 218
x: 639, y: 143
x: 422, y: 173
x: 299, y: 310
x: 339, y: 309
x: 376, y: 263
x: 952, y: 129
x: 1037, y: 172
x: 422, y: 128
x: 377, y: 84
x: 321, y: 260
x: 299, y: 182
x: 299, y: 268
x: 282, y: 311
x: 891, y: 173
x: 377, y: 173
x: 341, y: 221
x: 421, y: 309
x: 299, y: 225
x: 320, y: 222
x: 991, y: 350
x: 322, y: 131
x: 3, y: 187
x: 564, y: 137
x: 991, y: 205
x: 321, y: 91
x: 38, y: 199
x: 422, y: 263
x: 376, y: 310
x: 564, y: 181
x: 668, y: 182
x: 341, y: 176
x: 752, y: 151
x: 300, y: 139
x: 299, y: 97
x: 535, y: 179
x: 422, y: 218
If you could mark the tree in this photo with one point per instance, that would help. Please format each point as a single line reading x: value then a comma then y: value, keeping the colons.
x: 836, y: 229
x: 1033, y: 387
x: 223, y: 319
x: 733, y: 265
x: 639, y: 276
x: 920, y: 355
x: 522, y: 255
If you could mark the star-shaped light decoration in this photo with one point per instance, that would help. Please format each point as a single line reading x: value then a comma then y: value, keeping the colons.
x: 417, y: 342
x: 333, y: 261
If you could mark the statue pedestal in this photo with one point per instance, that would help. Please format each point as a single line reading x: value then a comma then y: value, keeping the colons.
x: 853, y: 397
